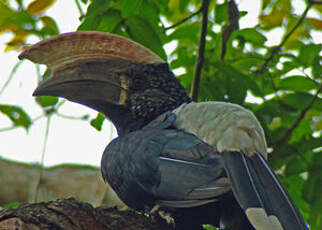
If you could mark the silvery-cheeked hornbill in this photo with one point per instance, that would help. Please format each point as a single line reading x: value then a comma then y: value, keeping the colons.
x: 202, y: 162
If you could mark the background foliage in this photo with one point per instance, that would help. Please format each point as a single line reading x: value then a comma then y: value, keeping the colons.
x: 234, y: 63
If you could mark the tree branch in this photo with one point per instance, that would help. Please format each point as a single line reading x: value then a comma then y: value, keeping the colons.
x: 41, y: 168
x: 233, y: 17
x: 298, y: 120
x: 276, y: 49
x: 13, y: 71
x: 201, y: 51
x: 72, y: 214
x: 182, y: 20
x: 83, y: 117
x: 8, y: 128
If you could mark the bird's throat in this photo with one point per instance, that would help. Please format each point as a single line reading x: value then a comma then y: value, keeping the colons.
x: 123, y: 119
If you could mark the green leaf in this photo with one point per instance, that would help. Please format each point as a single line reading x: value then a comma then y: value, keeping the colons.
x: 311, y: 143
x: 90, y: 23
x: 242, y: 14
x: 19, y: 2
x: 97, y: 122
x: 297, y: 83
x: 46, y: 74
x: 317, y: 67
x: 218, y: 40
x: 318, y: 7
x: 209, y: 89
x: 273, y: 19
x: 151, y: 12
x: 308, y: 53
x: 131, y: 7
x: 302, y: 130
x: 39, y: 6
x: 17, y: 115
x: 246, y: 63
x: 5, y: 13
x: 277, y: 158
x: 300, y: 100
x: 316, y: 214
x: 95, y: 12
x: 50, y: 25
x: 185, y: 32
x: 294, y: 185
x: 265, y: 3
x: 46, y: 101
x: 109, y: 21
x: 235, y: 82
x: 141, y: 31
x: 295, y: 166
x: 183, y: 58
x: 208, y: 227
x: 287, y: 67
x: 10, y: 19
x: 11, y: 205
x: 252, y: 36
x: 313, y: 187
x: 221, y: 13
x: 183, y: 4
x: 314, y: 22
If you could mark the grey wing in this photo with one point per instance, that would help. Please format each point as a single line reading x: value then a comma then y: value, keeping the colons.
x: 161, y: 165
x: 191, y: 173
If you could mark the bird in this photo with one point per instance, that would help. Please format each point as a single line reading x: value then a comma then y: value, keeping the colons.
x: 200, y: 162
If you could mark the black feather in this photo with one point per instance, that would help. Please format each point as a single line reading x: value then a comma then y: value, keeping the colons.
x: 255, y: 185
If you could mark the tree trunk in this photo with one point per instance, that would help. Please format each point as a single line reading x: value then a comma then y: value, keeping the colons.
x: 72, y: 214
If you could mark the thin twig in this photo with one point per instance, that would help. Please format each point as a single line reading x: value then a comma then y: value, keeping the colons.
x: 315, y: 1
x: 38, y: 117
x: 276, y: 49
x: 60, y: 103
x: 9, y: 128
x: 182, y: 20
x: 84, y: 117
x: 298, y: 120
x: 41, y: 168
x: 80, y: 10
x: 200, y: 58
x: 13, y: 71
x: 37, y: 66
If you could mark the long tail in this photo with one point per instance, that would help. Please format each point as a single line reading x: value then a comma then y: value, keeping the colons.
x: 261, y: 195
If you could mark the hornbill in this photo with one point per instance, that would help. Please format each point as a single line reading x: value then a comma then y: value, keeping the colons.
x: 201, y: 162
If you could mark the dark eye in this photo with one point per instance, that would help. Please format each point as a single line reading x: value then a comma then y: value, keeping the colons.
x: 138, y: 83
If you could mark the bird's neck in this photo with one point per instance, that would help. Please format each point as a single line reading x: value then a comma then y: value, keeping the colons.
x: 125, y: 122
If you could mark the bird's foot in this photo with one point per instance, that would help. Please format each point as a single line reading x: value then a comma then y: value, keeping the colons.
x: 163, y: 214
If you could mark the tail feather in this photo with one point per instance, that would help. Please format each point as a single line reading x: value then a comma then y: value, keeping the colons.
x: 284, y: 206
x: 258, y: 191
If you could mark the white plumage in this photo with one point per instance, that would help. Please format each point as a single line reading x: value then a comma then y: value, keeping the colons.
x: 225, y: 126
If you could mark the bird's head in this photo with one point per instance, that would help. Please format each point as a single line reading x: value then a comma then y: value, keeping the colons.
x: 120, y: 78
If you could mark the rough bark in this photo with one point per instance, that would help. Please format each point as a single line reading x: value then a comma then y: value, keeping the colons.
x: 75, y: 215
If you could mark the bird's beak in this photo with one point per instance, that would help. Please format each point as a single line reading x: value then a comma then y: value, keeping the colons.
x: 86, y: 67
x: 89, y: 82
